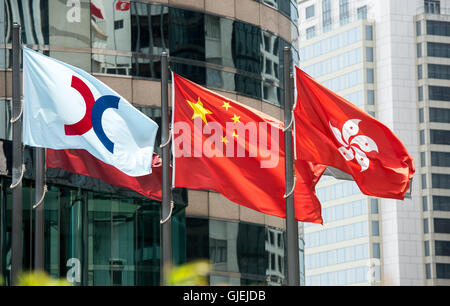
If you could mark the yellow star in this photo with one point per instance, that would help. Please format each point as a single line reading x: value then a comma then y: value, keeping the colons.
x: 235, y: 135
x: 199, y: 110
x: 224, y: 140
x: 236, y: 119
x: 226, y: 105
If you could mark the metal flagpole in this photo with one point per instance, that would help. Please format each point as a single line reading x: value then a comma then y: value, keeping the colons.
x: 40, y: 190
x: 293, y: 268
x: 167, y: 204
x: 17, y: 159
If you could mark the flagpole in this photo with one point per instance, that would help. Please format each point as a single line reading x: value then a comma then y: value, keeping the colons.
x: 293, y: 268
x: 17, y: 160
x: 40, y: 190
x: 167, y: 204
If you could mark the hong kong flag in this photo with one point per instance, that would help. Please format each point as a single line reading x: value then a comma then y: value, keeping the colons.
x: 230, y: 148
x: 332, y: 131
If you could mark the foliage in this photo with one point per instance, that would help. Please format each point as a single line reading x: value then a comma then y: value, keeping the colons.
x: 190, y: 274
x: 40, y: 278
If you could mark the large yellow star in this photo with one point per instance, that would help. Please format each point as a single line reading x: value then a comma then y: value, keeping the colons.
x: 199, y: 110
x: 226, y: 105
x: 236, y: 118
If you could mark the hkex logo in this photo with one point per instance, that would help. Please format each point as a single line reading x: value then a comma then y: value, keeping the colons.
x: 94, y: 112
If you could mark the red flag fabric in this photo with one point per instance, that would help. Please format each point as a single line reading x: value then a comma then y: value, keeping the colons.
x: 230, y: 148
x: 80, y: 161
x: 123, y: 5
x: 332, y: 131
x: 95, y: 11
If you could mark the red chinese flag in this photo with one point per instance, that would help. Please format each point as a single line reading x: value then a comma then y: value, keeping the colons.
x: 230, y: 148
x: 80, y: 161
x: 332, y: 131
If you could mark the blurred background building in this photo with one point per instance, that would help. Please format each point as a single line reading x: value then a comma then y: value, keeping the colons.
x: 392, y: 59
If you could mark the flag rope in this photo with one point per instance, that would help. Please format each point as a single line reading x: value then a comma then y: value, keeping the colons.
x: 18, y: 116
x: 42, y: 198
x: 290, y: 123
x: 292, y: 190
x: 170, y: 214
x: 168, y: 140
x: 12, y: 186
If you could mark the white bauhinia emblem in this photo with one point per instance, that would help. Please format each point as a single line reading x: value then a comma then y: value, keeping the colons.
x: 353, y: 147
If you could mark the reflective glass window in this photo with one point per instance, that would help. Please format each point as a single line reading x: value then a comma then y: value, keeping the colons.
x: 439, y: 71
x: 443, y: 270
x: 438, y: 49
x: 440, y: 28
x: 441, y: 225
x: 440, y: 137
x: 309, y: 11
x: 440, y: 180
x: 442, y: 248
x: 441, y: 203
x: 362, y: 12
x: 439, y: 115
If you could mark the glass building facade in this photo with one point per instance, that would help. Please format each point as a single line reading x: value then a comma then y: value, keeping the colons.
x: 432, y: 32
x: 98, y: 234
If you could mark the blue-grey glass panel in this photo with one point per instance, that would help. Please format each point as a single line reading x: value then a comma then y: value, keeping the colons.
x: 425, y: 226
x: 370, y: 75
x: 376, y: 250
x: 438, y: 49
x: 326, y: 14
x: 424, y: 203
x: 439, y: 114
x: 440, y: 28
x: 369, y: 32
x: 422, y: 137
x: 375, y: 228
x: 310, y: 32
x: 309, y: 11
x: 374, y: 206
x: 441, y: 203
x: 440, y: 180
x: 439, y: 71
x: 443, y: 270
x: 442, y: 248
x: 432, y: 6
x: 441, y: 225
x: 369, y: 54
x: 422, y: 159
x: 426, y: 247
x: 343, y: 12
x: 424, y: 181
x: 440, y: 137
x: 362, y: 12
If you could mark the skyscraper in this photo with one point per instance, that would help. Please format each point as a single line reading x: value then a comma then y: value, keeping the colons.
x: 390, y: 58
